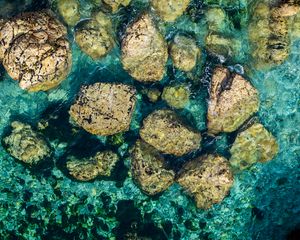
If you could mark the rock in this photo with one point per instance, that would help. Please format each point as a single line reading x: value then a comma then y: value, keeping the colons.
x: 94, y: 36
x: 176, y: 96
x: 104, y: 108
x: 207, y: 178
x: 35, y: 50
x: 26, y: 145
x: 144, y: 51
x: 69, y: 10
x: 88, y: 169
x: 286, y: 9
x: 169, y: 10
x: 253, y: 145
x: 233, y: 100
x: 114, y: 5
x: 153, y: 94
x: 148, y: 169
x: 184, y: 53
x: 216, y: 19
x: 164, y: 130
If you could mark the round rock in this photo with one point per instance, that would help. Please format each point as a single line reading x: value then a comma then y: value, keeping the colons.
x: 104, y: 108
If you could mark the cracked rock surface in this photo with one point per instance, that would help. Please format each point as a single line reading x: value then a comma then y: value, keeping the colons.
x: 165, y: 131
x: 148, y: 169
x: 35, y: 51
x: 104, y: 108
x: 207, y: 178
x: 144, y: 50
x: 233, y: 100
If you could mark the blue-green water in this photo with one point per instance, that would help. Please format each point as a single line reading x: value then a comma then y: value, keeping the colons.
x: 46, y: 203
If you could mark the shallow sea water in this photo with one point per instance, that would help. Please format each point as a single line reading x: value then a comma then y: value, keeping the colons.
x: 45, y: 203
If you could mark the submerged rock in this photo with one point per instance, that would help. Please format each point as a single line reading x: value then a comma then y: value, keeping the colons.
x: 233, y: 100
x: 176, y: 96
x: 169, y: 10
x: 35, y: 50
x: 153, y: 94
x: 69, y: 10
x: 148, y: 169
x: 101, y: 164
x: 184, y: 53
x: 114, y: 5
x: 208, y: 179
x: 94, y: 36
x: 253, y: 145
x: 144, y: 51
x: 216, y: 19
x: 104, y: 108
x: 26, y: 145
x: 164, y: 130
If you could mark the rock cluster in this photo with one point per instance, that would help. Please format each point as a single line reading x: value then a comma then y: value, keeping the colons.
x: 233, y: 100
x: 35, y: 51
x: 26, y: 145
x: 148, y: 169
x: 165, y: 131
x: 104, y: 108
x: 101, y: 164
x: 144, y: 50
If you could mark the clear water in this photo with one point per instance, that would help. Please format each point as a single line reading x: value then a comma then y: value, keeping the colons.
x: 45, y: 203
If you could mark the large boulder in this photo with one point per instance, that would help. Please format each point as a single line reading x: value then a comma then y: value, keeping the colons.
x: 148, y: 169
x: 144, y: 50
x: 35, y: 50
x: 169, y: 10
x: 208, y: 179
x: 104, y: 108
x: 253, y: 145
x: 94, y: 36
x: 26, y: 145
x: 165, y: 131
x: 233, y: 100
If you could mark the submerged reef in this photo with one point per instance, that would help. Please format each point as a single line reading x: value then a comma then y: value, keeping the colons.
x: 145, y: 119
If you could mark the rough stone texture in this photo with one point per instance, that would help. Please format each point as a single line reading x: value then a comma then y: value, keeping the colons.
x: 216, y: 18
x: 184, y: 53
x: 104, y: 108
x: 116, y: 4
x: 69, y: 10
x: 101, y: 164
x: 153, y: 94
x: 26, y: 145
x: 232, y: 101
x: 144, y: 51
x: 35, y: 51
x: 94, y: 36
x: 148, y: 171
x: 253, y: 145
x: 167, y: 133
x: 176, y: 96
x: 220, y: 45
x: 208, y: 179
x: 169, y: 10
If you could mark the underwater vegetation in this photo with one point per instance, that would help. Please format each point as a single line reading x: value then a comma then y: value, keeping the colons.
x: 147, y: 119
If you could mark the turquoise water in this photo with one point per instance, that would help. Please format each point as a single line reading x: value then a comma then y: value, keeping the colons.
x: 44, y: 203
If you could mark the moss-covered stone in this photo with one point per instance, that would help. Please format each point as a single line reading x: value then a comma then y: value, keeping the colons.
x: 115, y: 5
x: 208, y: 179
x: 253, y: 145
x: 164, y: 130
x: 233, y: 100
x: 144, y: 50
x: 69, y: 10
x: 148, y: 169
x: 104, y: 108
x: 176, y: 96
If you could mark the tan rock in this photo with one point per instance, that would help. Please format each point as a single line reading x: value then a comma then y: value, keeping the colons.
x: 184, y: 53
x: 148, y: 169
x: 104, y: 108
x: 144, y: 51
x: 176, y: 96
x: 164, y: 130
x: 35, y: 50
x: 207, y: 178
x: 169, y: 10
x: 253, y: 145
x: 95, y: 37
x: 153, y: 94
x: 88, y: 169
x: 116, y: 4
x: 69, y: 10
x: 26, y: 145
x: 233, y: 100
